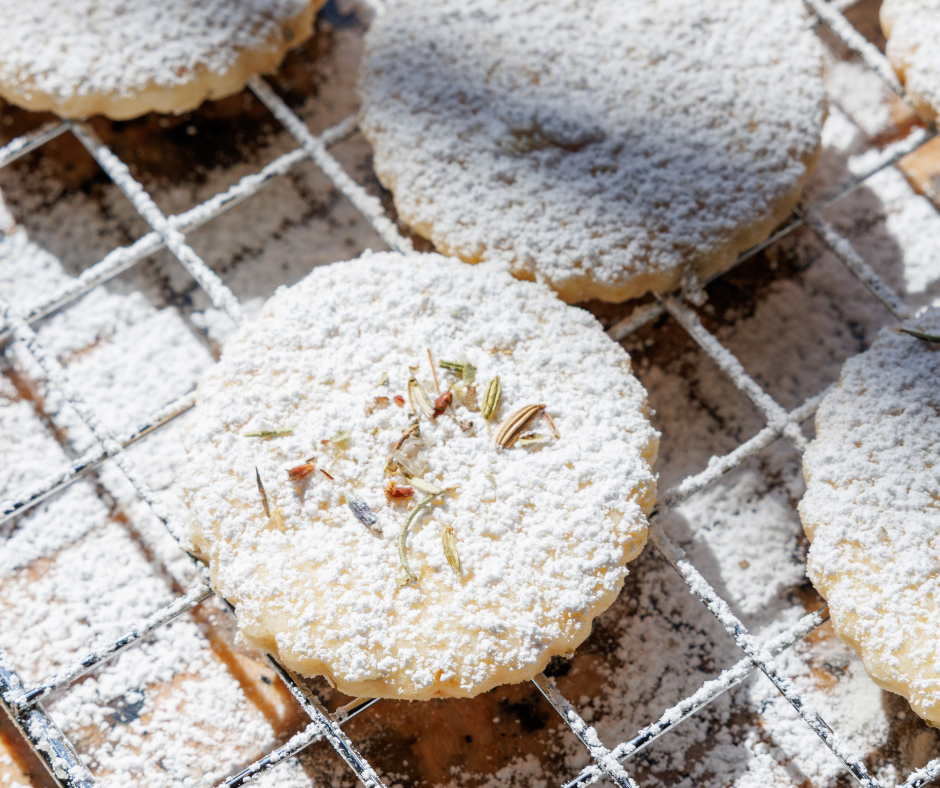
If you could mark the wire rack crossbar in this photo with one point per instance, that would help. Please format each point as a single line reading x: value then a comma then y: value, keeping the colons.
x: 871, y: 56
x: 169, y: 232
x: 867, y: 275
x: 760, y: 656
x: 603, y: 758
x: 120, y: 175
x: 51, y: 745
x: 59, y: 480
x: 125, y: 257
x: 132, y: 637
x: 709, y: 691
x: 728, y: 363
x: 30, y: 141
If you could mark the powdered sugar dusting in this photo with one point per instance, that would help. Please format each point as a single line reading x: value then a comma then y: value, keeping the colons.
x: 657, y: 644
x: 542, y: 542
x: 606, y: 148
x: 871, y: 510
x: 913, y: 29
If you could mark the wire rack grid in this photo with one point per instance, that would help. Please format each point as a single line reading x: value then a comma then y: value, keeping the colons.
x: 24, y: 704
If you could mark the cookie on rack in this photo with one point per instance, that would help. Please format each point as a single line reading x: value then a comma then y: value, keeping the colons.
x: 605, y: 148
x: 871, y: 510
x: 912, y: 28
x: 84, y: 57
x: 410, y: 543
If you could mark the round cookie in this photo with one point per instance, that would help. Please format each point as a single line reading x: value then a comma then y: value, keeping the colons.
x: 912, y: 28
x: 509, y: 565
x: 607, y: 148
x: 83, y: 57
x: 871, y: 511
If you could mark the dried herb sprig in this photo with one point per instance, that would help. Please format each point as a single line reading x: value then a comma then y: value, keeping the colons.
x: 275, y: 516
x: 420, y: 484
x: 491, y: 398
x: 449, y: 543
x: 268, y: 433
x: 437, y: 385
x: 341, y: 439
x: 466, y: 371
x: 470, y: 399
x: 361, y: 509
x: 412, y: 430
x: 264, y: 495
x: 515, y: 424
x: 420, y: 402
x: 300, y: 472
x: 920, y: 335
x: 403, y: 535
x: 394, y: 491
x: 551, y: 424
x: 442, y: 403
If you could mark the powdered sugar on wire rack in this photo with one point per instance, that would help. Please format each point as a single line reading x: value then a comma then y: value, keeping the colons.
x: 782, y: 414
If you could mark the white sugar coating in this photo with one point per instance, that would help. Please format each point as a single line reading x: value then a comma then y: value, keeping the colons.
x: 912, y: 28
x: 542, y: 542
x: 79, y: 57
x: 871, y: 511
x: 794, y: 344
x: 608, y: 148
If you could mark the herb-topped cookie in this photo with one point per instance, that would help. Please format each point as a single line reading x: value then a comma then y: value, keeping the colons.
x: 419, y: 478
x: 912, y: 28
x: 607, y: 148
x: 83, y: 57
x: 871, y: 510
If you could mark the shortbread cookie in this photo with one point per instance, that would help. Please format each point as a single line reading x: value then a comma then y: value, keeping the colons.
x: 608, y: 148
x: 912, y: 28
x: 82, y: 57
x: 871, y: 511
x: 318, y: 403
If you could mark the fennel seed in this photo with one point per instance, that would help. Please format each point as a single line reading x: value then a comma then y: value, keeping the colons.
x: 515, y: 424
x: 491, y: 398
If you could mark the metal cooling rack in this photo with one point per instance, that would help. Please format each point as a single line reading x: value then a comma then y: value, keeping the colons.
x: 25, y: 703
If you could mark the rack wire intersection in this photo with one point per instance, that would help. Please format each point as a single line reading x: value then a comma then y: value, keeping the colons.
x: 24, y: 704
